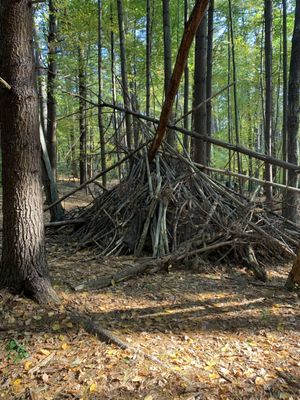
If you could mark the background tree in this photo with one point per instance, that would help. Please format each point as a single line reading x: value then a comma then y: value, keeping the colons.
x: 290, y: 198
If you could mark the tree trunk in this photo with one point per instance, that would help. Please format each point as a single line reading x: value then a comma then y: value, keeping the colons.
x: 100, y: 114
x: 235, y: 99
x: 290, y: 198
x: 200, y: 124
x: 126, y: 97
x: 82, y: 116
x: 210, y: 35
x: 113, y: 88
x: 148, y: 55
x: 24, y: 266
x: 186, y: 121
x: 285, y: 88
x: 171, y: 137
x: 269, y: 96
x: 52, y: 73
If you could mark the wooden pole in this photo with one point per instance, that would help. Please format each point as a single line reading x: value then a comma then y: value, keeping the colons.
x: 188, y: 36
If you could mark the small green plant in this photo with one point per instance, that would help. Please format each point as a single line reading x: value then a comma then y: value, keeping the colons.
x: 16, y: 351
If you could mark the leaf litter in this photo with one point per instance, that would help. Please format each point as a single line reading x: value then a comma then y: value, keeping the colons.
x: 210, y: 334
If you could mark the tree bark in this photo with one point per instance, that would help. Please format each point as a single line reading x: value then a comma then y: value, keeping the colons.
x: 235, y: 99
x: 52, y: 73
x: 148, y: 55
x: 100, y: 115
x: 285, y: 88
x: 126, y: 97
x: 24, y: 266
x: 186, y: 121
x: 290, y: 198
x: 210, y: 36
x: 82, y: 116
x: 268, y: 14
x: 200, y: 123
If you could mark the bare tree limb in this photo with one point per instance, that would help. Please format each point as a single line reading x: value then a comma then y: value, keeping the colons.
x: 187, y: 39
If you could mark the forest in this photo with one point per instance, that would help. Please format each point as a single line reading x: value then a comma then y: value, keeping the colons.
x: 150, y: 226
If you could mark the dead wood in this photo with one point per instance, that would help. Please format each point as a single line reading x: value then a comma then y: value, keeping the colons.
x: 174, y: 212
x: 120, y: 276
x: 188, y: 35
x: 209, y: 139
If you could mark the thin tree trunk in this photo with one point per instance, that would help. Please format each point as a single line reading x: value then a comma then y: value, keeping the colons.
x: 52, y: 74
x: 113, y: 88
x: 285, y: 88
x: 235, y: 100
x: 186, y: 121
x: 200, y: 90
x: 148, y: 55
x: 229, y: 120
x: 49, y: 181
x: 269, y: 96
x: 290, y: 198
x: 210, y: 34
x: 100, y: 114
x: 171, y: 137
x: 126, y: 97
x: 24, y: 266
x: 82, y: 116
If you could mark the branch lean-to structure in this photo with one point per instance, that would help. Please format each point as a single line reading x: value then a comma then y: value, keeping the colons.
x: 176, y: 214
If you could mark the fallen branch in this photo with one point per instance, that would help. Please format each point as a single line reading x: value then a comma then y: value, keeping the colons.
x: 119, y: 276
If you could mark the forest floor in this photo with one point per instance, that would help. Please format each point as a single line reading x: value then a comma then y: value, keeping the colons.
x: 215, y: 333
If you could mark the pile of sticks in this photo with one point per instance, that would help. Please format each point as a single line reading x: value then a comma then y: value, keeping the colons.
x: 171, y: 210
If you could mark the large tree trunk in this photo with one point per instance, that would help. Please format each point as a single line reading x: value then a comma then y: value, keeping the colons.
x: 24, y: 266
x: 290, y: 198
x: 200, y: 125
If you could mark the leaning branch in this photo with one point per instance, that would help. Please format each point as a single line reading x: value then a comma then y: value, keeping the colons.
x: 248, y: 178
x: 209, y: 139
x: 187, y: 39
x: 97, y: 176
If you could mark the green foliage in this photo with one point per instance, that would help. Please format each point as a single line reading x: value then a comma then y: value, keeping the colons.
x: 78, y: 28
x: 16, y: 351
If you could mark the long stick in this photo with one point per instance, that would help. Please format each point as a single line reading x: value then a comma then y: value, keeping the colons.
x: 249, y: 178
x: 188, y: 36
x: 217, y: 142
x: 97, y: 176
